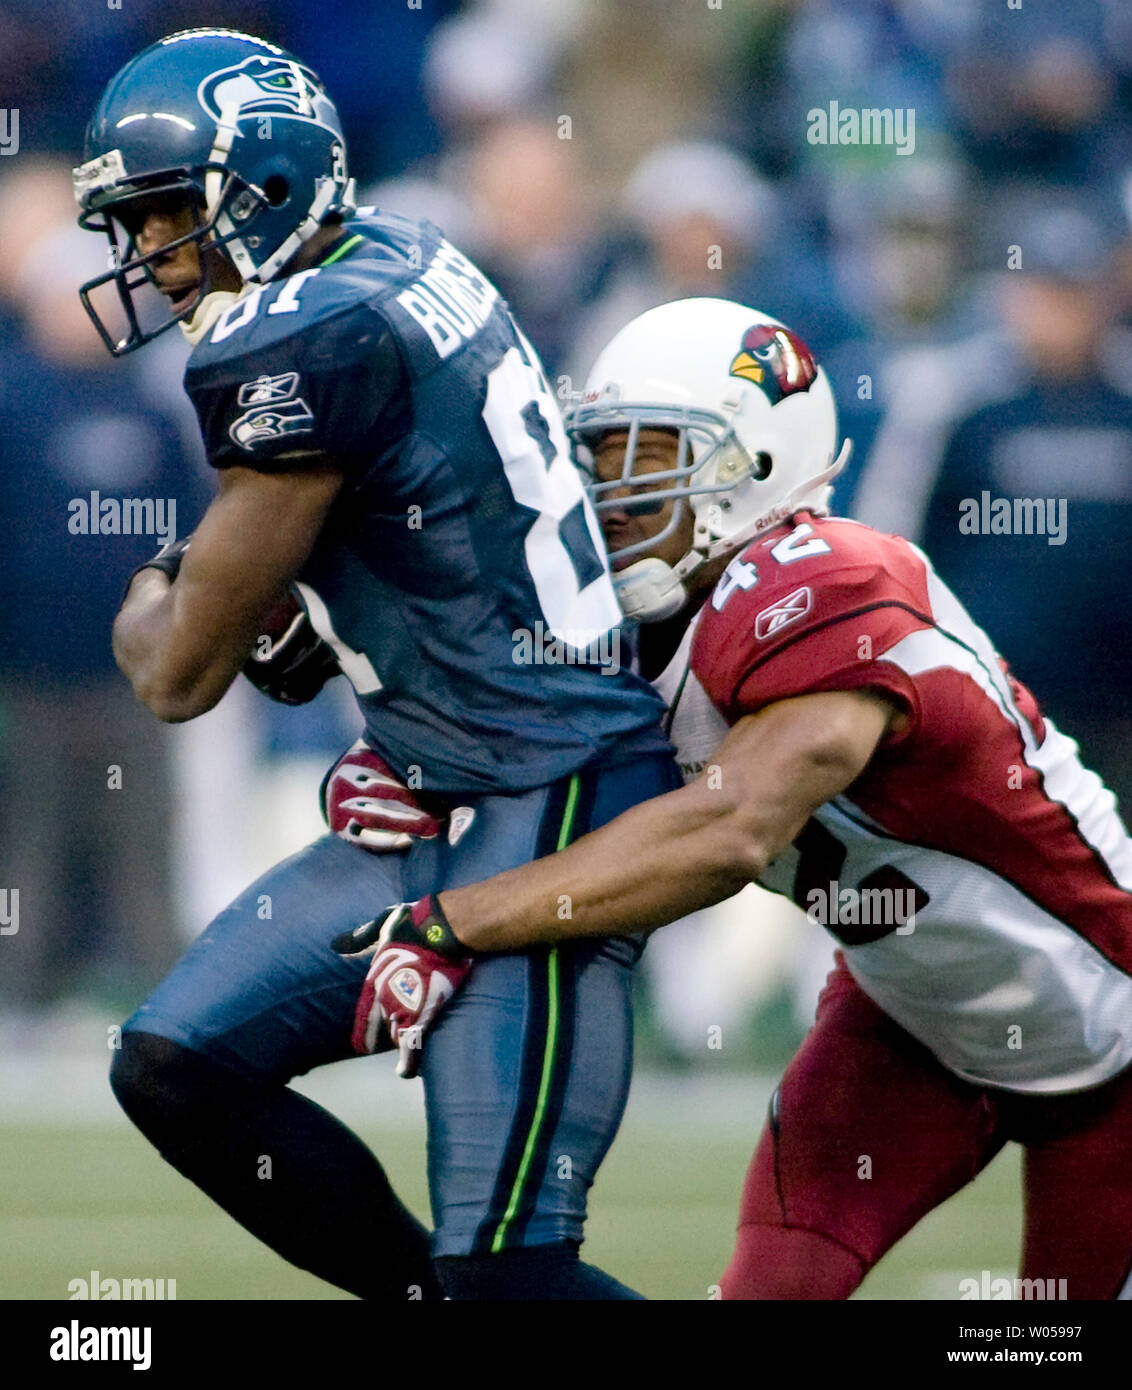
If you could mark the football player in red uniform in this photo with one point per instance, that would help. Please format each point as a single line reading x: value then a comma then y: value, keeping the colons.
x: 854, y: 742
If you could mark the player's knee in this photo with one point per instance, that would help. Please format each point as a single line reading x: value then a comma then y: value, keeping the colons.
x: 153, y: 1078
x: 786, y: 1263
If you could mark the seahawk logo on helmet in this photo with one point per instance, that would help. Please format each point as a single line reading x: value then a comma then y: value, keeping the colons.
x: 757, y: 435
x: 273, y: 86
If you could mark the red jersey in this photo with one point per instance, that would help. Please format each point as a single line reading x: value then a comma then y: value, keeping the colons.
x: 976, y: 873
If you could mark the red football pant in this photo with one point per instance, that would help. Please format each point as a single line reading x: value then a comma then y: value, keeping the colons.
x: 869, y: 1132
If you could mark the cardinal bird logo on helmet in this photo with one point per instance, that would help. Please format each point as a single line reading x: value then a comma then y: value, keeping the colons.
x: 776, y: 360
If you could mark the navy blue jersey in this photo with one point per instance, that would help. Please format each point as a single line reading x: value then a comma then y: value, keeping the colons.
x: 460, y: 575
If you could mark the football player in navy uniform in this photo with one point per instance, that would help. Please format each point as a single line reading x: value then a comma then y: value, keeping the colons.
x: 396, y: 502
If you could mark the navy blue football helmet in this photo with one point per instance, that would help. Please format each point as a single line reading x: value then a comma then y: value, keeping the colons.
x: 234, y: 123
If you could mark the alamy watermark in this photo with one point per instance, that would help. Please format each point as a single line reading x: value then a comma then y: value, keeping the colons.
x: 123, y: 516
x: 835, y: 906
x: 1014, y: 516
x: 78, y: 1343
x: 1003, y: 1287
x: 100, y: 1286
x: 539, y: 646
x: 851, y: 125
x: 9, y: 130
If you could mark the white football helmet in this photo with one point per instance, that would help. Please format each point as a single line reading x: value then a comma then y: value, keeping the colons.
x: 757, y: 434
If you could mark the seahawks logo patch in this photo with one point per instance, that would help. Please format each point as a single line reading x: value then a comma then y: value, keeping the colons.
x: 271, y: 422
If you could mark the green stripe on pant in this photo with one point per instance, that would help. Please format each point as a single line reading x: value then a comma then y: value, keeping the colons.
x: 550, y: 1047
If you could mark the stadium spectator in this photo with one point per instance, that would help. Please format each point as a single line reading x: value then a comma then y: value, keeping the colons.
x: 900, y: 264
x: 708, y: 224
x: 1034, y: 97
x: 537, y: 235
x: 638, y: 74
x: 1052, y: 422
x: 34, y: 194
x: 86, y: 804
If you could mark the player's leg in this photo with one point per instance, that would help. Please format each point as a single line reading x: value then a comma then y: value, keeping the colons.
x: 526, y: 1085
x: 1077, y: 1187
x: 867, y: 1133
x: 204, y: 1063
x: 527, y: 1072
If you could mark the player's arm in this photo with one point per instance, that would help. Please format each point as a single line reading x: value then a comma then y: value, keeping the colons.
x: 182, y: 644
x: 654, y: 863
x: 690, y: 848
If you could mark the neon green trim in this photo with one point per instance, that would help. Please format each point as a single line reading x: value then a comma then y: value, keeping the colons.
x: 540, y: 1105
x: 344, y: 249
x: 568, y: 814
x: 550, y: 1048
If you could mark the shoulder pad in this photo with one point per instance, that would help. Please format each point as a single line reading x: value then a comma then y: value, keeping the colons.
x: 811, y: 607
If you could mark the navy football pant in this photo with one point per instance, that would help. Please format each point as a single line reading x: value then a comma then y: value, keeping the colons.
x: 526, y: 1074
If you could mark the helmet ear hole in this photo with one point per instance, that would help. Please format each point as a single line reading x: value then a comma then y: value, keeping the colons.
x: 763, y: 465
x: 276, y: 190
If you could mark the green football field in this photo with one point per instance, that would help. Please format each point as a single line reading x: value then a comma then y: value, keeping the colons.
x: 80, y: 1190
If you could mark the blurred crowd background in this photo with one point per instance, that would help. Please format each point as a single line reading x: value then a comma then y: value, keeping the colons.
x: 970, y: 299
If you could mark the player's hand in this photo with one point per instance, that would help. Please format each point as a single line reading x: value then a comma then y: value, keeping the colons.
x: 365, y: 803
x: 290, y: 662
x: 418, y: 965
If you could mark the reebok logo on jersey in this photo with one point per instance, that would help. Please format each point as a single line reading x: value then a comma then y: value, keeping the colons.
x: 406, y: 985
x: 781, y: 614
x: 266, y: 390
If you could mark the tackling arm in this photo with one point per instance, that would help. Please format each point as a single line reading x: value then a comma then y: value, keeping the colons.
x: 690, y: 848
x: 182, y: 644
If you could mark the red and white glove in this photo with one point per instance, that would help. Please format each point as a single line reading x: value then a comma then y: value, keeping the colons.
x: 366, y: 803
x: 418, y: 965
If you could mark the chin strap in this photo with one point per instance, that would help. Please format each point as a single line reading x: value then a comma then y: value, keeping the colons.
x: 208, y: 311
x: 325, y: 199
x: 227, y: 129
x: 650, y: 590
